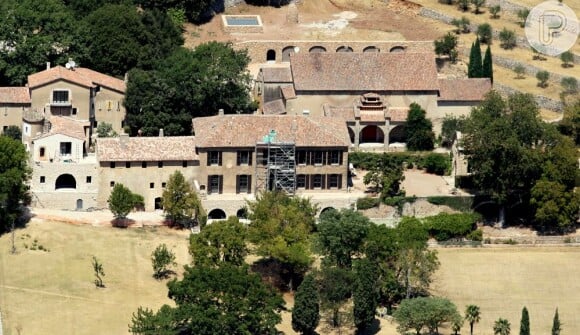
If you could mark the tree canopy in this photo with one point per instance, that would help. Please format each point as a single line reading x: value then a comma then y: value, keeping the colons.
x: 189, y: 83
x: 430, y: 313
x: 221, y: 242
x: 181, y: 203
x: 223, y: 300
x: 306, y: 311
x: 122, y: 201
x: 14, y: 174
x: 419, y: 129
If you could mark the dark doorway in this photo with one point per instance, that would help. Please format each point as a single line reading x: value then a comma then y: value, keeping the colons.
x: 79, y: 204
x: 372, y: 134
x: 158, y: 203
x: 65, y: 181
x: 216, y: 214
x: 271, y: 56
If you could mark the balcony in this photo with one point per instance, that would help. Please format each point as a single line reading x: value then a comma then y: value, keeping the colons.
x: 60, y: 103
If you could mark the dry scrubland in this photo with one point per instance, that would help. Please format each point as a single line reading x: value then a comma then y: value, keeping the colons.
x: 52, y: 292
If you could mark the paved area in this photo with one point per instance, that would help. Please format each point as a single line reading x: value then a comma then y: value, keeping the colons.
x: 96, y: 218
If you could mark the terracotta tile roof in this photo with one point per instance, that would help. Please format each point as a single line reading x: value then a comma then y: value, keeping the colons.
x: 473, y: 89
x: 368, y: 71
x: 276, y: 74
x: 246, y: 130
x: 14, y: 95
x: 131, y: 149
x: 63, y: 125
x: 345, y: 113
x: 274, y: 107
x: 288, y: 92
x: 398, y: 114
x: 372, y: 116
x: 103, y: 79
x: 79, y: 76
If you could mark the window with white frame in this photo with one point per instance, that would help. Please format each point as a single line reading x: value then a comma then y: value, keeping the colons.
x: 334, y: 157
x: 60, y: 96
x: 65, y: 148
x: 318, y: 157
x: 317, y: 181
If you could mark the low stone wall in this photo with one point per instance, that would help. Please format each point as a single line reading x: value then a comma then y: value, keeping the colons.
x: 542, y: 101
x: 506, y: 6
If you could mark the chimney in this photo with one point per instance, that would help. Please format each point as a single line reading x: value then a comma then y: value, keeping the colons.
x: 220, y: 111
x: 161, y: 132
x: 48, y: 65
x: 123, y: 138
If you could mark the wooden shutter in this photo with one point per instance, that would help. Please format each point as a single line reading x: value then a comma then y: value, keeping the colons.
x: 340, y: 181
x: 340, y: 158
x: 237, y: 184
x: 309, y: 158
x: 307, y: 181
x: 208, y: 186
x: 219, y: 158
x: 325, y: 157
x: 250, y: 153
x: 208, y: 154
x: 221, y: 183
x: 323, y: 181
x: 250, y: 181
x: 238, y: 161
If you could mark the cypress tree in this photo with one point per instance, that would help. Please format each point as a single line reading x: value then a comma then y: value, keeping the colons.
x: 525, y: 322
x: 305, y: 314
x: 487, y: 71
x: 471, y: 63
x: 365, y: 295
x: 474, y: 69
x: 556, y: 325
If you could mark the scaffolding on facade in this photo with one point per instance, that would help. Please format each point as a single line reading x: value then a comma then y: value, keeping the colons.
x: 275, y: 165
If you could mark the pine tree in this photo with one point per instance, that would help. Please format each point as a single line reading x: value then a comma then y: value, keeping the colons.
x: 305, y: 314
x: 556, y: 325
x: 474, y: 69
x: 525, y: 322
x: 487, y: 71
x: 364, y: 294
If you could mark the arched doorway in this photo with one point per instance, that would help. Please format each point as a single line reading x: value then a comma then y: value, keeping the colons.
x: 344, y: 48
x: 79, y: 204
x: 286, y: 52
x: 65, y: 181
x: 242, y: 213
x: 371, y: 48
x: 317, y: 48
x: 398, y: 134
x: 351, y: 135
x: 216, y: 214
x: 327, y: 210
x: 158, y: 203
x: 271, y: 56
x: 397, y: 49
x: 372, y: 134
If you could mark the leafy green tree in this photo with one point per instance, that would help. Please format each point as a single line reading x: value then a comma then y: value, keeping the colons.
x: 520, y: 71
x: 472, y: 315
x: 478, y: 4
x: 105, y: 129
x: 543, y: 77
x: 122, y: 201
x: 463, y: 5
x: 161, y: 259
x: 423, y: 312
x: 556, y: 325
x: 141, y: 38
x: 99, y: 272
x: 494, y: 11
x: 221, y: 242
x: 189, y: 83
x: 335, y: 288
x: 385, y: 176
x: 34, y: 33
x: 341, y: 236
x: 484, y: 33
x: 14, y: 175
x: 501, y: 327
x: 222, y: 300
x: 525, y: 322
x: 365, y: 294
x: 196, y: 11
x: 82, y: 8
x: 507, y: 38
x: 13, y: 132
x: 181, y: 203
x: 462, y: 25
x: 555, y: 207
x: 280, y: 228
x: 436, y: 163
x: 419, y: 129
x: 449, y: 127
x: 570, y: 85
x: 306, y: 311
x: 522, y: 16
x: 475, y: 69
x: 570, y: 124
x: 567, y: 58
x: 446, y: 45
x: 487, y: 71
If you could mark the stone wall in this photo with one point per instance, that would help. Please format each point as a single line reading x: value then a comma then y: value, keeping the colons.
x: 257, y: 50
x: 542, y: 101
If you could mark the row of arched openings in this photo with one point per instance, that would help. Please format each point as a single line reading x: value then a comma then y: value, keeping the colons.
x: 287, y: 51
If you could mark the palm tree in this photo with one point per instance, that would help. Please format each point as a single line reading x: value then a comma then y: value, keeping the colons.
x: 501, y: 327
x: 472, y: 316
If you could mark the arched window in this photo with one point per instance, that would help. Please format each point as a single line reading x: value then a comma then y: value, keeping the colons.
x: 65, y: 181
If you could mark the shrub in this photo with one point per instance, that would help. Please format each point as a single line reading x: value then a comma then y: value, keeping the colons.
x: 507, y: 38
x: 445, y: 226
x: 523, y: 15
x: 461, y: 24
x: 399, y: 201
x: 520, y: 71
x: 494, y: 10
x: 462, y: 204
x: 438, y: 164
x: 567, y: 59
x: 570, y: 85
x: 366, y: 203
x: 484, y: 33
x: 543, y: 77
x: 475, y: 235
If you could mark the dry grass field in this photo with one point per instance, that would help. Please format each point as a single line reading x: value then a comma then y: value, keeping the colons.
x: 52, y: 292
x: 503, y: 280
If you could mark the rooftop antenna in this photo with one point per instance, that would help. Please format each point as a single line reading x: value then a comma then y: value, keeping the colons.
x: 70, y: 64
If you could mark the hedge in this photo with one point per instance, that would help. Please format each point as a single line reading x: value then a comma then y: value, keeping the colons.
x: 366, y: 203
x: 445, y: 226
x: 462, y: 204
x: 366, y: 160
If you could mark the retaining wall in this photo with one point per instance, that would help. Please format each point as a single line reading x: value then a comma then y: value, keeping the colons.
x: 542, y: 101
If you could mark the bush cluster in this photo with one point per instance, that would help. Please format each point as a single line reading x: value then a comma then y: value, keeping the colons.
x: 445, y: 226
x: 462, y: 204
x: 367, y: 202
x: 366, y: 160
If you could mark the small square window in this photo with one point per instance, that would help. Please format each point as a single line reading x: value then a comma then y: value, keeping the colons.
x: 143, y: 164
x: 112, y: 183
x: 301, y: 181
x: 333, y: 181
x: 128, y: 165
x: 184, y: 164
x: 317, y: 181
x: 112, y: 165
x: 163, y: 185
x: 244, y: 157
x: 214, y: 158
x: 159, y: 164
x: 151, y: 185
x: 318, y: 157
x: 74, y: 111
x: 89, y: 179
x: 42, y: 179
x: 334, y: 157
x: 301, y: 157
